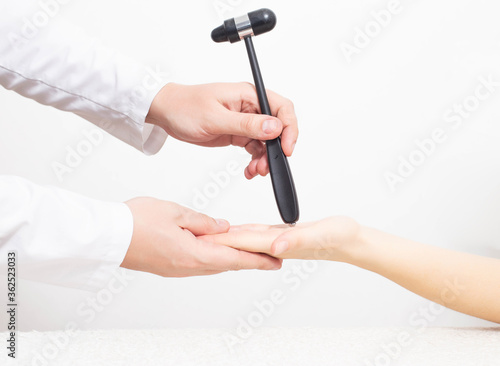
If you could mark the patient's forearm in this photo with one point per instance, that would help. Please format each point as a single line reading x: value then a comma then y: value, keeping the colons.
x: 463, y: 282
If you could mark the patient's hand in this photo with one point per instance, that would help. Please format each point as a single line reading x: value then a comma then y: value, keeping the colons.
x: 435, y: 273
x: 335, y: 238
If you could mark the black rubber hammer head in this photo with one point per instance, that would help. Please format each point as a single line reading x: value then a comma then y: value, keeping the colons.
x: 251, y: 24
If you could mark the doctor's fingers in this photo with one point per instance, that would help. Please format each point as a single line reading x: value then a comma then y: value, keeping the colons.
x: 257, y: 167
x: 222, y: 258
x: 281, y: 107
x: 259, y: 164
x: 200, y: 224
x: 257, y: 149
x: 250, y: 125
x: 284, y: 110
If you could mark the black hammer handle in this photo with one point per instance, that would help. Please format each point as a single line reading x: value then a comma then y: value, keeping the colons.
x: 281, y: 175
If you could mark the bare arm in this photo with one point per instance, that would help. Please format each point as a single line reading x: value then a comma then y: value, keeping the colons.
x: 462, y: 282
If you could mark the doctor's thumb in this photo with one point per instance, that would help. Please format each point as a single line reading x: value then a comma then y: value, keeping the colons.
x: 254, y: 126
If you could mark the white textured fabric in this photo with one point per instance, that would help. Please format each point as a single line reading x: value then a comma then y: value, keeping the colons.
x: 267, y: 346
x: 62, y: 238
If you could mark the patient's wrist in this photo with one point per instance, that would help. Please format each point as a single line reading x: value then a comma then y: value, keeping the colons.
x: 360, y: 249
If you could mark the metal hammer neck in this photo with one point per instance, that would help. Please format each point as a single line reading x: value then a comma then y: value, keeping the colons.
x: 244, y: 26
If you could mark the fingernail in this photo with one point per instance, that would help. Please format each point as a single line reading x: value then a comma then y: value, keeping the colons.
x: 293, y: 146
x: 221, y: 222
x: 269, y: 126
x: 281, y: 248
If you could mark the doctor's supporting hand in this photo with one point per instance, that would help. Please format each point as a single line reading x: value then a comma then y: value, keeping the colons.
x: 225, y: 114
x: 166, y: 242
x: 460, y: 281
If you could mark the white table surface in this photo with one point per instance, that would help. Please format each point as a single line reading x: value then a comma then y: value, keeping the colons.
x: 266, y: 346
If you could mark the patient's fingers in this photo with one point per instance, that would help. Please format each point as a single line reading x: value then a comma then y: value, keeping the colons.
x: 263, y: 227
x: 251, y: 241
x: 307, y: 242
x: 281, y: 241
x: 250, y: 227
x: 288, y: 242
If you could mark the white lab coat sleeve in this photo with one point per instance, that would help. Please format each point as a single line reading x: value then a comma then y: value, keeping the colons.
x: 60, y: 237
x: 58, y: 65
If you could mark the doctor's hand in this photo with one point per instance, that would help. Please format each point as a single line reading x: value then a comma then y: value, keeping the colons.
x: 166, y: 242
x: 225, y: 114
x: 336, y: 238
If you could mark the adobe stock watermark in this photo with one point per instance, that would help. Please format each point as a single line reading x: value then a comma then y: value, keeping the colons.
x: 225, y: 6
x: 33, y: 24
x: 75, y: 155
x: 363, y: 36
x: 86, y: 312
x: 92, y: 138
x: 291, y: 281
x: 265, y: 308
x: 219, y: 181
x: 420, y: 320
x: 453, y: 118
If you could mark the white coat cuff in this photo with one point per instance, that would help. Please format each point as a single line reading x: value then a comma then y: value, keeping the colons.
x: 114, y: 247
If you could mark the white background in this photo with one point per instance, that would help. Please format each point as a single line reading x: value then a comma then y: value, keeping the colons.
x: 356, y: 119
